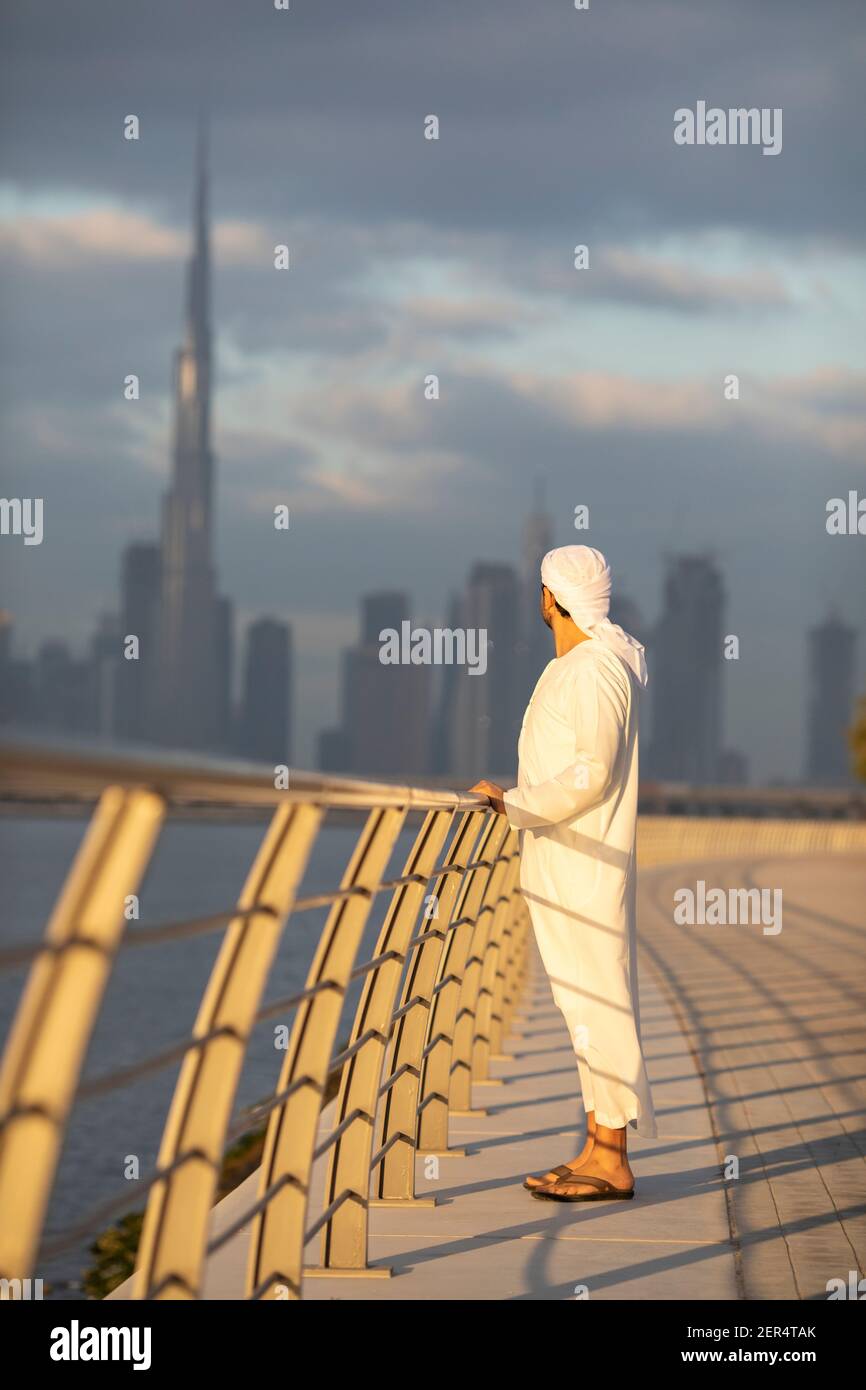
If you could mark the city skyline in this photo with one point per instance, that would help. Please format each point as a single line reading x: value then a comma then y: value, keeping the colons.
x: 410, y: 258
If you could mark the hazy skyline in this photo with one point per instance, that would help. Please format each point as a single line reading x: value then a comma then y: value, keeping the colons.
x: 452, y: 257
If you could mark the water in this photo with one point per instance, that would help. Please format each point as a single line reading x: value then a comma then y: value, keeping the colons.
x: 154, y: 993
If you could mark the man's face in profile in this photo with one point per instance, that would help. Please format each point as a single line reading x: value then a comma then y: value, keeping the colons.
x: 544, y: 614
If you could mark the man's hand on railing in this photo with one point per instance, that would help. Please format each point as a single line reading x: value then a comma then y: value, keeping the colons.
x: 493, y: 793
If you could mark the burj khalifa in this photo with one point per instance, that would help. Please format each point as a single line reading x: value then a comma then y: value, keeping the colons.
x: 189, y: 696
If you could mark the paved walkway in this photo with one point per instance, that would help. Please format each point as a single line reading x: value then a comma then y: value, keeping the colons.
x: 777, y: 1024
x: 755, y: 1045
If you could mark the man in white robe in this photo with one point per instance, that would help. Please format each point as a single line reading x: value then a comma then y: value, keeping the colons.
x: 575, y: 804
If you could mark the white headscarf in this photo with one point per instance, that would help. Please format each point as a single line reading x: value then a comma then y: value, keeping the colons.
x: 579, y: 579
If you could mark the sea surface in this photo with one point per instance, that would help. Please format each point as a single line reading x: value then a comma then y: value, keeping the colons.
x: 153, y: 995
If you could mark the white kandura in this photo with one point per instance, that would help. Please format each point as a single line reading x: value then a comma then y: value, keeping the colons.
x: 576, y: 807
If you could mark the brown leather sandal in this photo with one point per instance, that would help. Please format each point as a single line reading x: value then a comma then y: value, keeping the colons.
x: 606, y: 1193
x: 563, y: 1171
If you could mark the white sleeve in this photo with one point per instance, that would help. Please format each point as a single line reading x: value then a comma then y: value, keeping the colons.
x: 599, y: 714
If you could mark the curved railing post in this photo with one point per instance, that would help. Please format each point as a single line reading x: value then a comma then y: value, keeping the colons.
x: 171, y: 1251
x: 275, y: 1267
x: 49, y: 1038
x: 516, y: 971
x: 344, y: 1238
x: 512, y: 942
x: 493, y: 902
x: 436, y: 1068
x: 396, y: 1158
x: 482, y: 1039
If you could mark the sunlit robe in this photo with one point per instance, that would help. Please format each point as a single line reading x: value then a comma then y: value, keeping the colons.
x: 576, y: 806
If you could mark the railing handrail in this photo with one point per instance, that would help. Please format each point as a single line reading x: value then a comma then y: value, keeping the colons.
x: 34, y: 769
x: 58, y: 768
x: 663, y: 794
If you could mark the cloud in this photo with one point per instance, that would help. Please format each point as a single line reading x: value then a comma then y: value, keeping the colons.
x: 99, y: 234
x: 603, y: 400
x: 828, y: 407
x: 566, y: 120
x: 468, y: 317
x: 107, y: 232
x: 624, y: 273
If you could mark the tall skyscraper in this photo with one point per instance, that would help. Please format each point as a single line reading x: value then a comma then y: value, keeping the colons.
x: 225, y: 658
x: 379, y: 612
x: 686, y: 669
x: 188, y: 707
x: 105, y: 658
x: 64, y: 691
x: 488, y: 707
x: 265, y: 714
x: 17, y: 688
x: 385, y: 727
x: 831, y: 648
x: 333, y: 745
x: 140, y: 578
x: 442, y: 737
x: 536, y: 643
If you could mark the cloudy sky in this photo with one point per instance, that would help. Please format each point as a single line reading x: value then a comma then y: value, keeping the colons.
x: 452, y: 257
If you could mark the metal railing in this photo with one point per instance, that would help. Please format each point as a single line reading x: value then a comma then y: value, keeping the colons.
x: 684, y: 839
x: 437, y: 997
x: 781, y: 803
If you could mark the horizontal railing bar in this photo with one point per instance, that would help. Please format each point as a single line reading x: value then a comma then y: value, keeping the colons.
x: 70, y: 1235
x: 336, y: 1134
x: 125, y: 1076
x: 347, y: 1053
x: 60, y: 1240
x: 446, y: 980
x: 287, y: 1180
x: 135, y: 936
x: 329, y: 1212
x: 398, y: 1137
x: 438, y: 933
x: 58, y: 766
x: 334, y: 896
x: 407, y: 1007
x: 12, y: 957
x: 433, y: 1043
x: 374, y: 963
x: 190, y: 926
x: 402, y: 1070
x: 291, y: 1001
x: 251, y: 1122
x: 102, y: 1085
